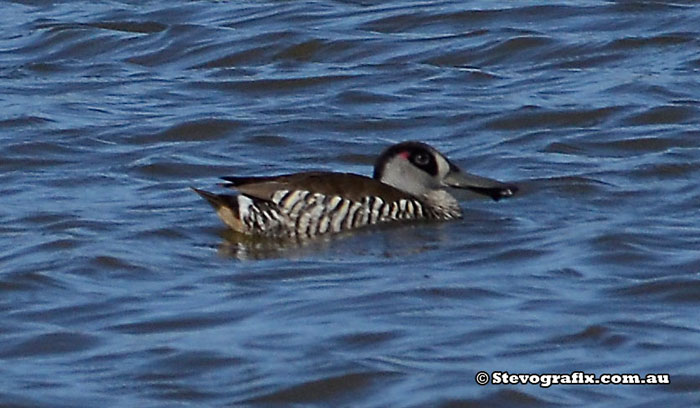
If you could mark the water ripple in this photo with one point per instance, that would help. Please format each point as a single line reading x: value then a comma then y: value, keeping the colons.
x: 121, y: 286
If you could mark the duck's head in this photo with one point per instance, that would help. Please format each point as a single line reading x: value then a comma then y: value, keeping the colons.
x: 421, y: 170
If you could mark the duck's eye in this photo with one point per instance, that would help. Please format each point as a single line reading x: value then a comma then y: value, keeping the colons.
x: 421, y: 159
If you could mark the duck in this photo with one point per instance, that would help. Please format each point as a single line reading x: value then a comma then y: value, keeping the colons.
x: 410, y: 183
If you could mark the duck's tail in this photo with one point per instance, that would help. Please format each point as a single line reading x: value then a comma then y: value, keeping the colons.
x: 226, y: 206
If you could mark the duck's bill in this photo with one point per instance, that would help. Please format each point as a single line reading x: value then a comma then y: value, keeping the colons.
x: 482, y: 185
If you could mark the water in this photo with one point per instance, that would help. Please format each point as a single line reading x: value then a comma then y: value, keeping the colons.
x: 120, y: 287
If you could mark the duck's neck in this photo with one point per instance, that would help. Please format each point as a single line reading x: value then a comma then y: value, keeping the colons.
x: 443, y: 204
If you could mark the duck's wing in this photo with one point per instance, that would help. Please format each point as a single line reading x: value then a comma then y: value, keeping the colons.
x: 349, y: 186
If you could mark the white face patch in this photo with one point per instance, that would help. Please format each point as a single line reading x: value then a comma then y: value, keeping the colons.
x: 402, y: 174
x: 443, y: 166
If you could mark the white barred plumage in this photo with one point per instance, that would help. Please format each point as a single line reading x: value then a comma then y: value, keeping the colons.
x: 302, y: 213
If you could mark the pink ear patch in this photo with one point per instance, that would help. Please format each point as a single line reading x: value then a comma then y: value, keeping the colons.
x: 405, y: 154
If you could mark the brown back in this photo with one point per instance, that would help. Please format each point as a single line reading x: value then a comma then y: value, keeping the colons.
x: 347, y: 185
